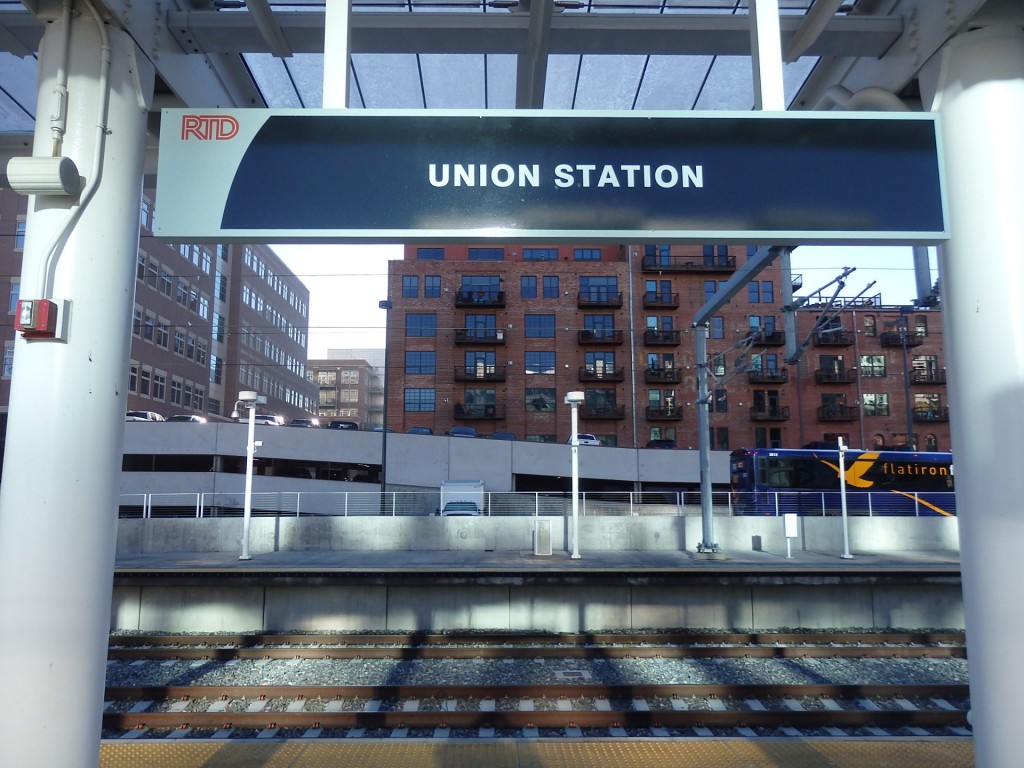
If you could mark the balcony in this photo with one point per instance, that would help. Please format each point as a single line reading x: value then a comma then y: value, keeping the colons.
x: 655, y: 300
x: 688, y: 265
x: 825, y: 376
x: 603, y: 411
x: 931, y: 415
x: 598, y: 299
x: 602, y: 374
x: 895, y: 339
x: 837, y: 413
x: 600, y: 336
x: 770, y: 413
x: 480, y: 373
x: 656, y: 338
x: 465, y: 412
x: 480, y: 336
x: 663, y: 375
x: 836, y: 337
x: 479, y: 298
x: 672, y: 413
x: 928, y: 377
x: 770, y: 339
x: 770, y: 376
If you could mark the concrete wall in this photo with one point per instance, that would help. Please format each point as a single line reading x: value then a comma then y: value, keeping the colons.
x: 609, y: 534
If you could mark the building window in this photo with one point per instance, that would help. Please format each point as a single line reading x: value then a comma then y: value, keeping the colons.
x: 12, y: 300
x: 658, y: 250
x: 410, y: 287
x: 875, y: 404
x: 480, y: 288
x: 149, y: 327
x: 430, y: 254
x: 159, y: 385
x: 19, y: 234
x: 420, y: 324
x: 601, y: 326
x: 551, y: 290
x: 870, y: 325
x: 720, y: 403
x: 586, y: 254
x: 133, y: 377
x: 528, y: 287
x: 216, y: 369
x: 145, y: 381
x: 486, y: 254
x: 540, y: 400
x: 540, y: 254
x: 540, y: 362
x: 719, y: 438
x: 710, y: 287
x: 761, y: 291
x: 162, y: 333
x: 872, y: 365
x: 920, y: 325
x: 431, y: 286
x: 539, y: 326
x: 420, y: 363
x: 767, y: 437
x: 8, y: 359
x: 717, y: 327
x: 599, y: 289
x: 419, y: 399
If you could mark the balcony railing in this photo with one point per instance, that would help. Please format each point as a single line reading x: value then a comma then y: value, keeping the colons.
x: 771, y: 413
x: 682, y: 264
x: 600, y: 336
x: 836, y: 337
x: 768, y: 376
x: 603, y: 411
x: 673, y: 413
x: 825, y: 376
x: 931, y: 414
x: 479, y: 298
x: 928, y: 377
x: 480, y: 373
x: 489, y: 412
x: 656, y: 338
x: 586, y: 300
x: 895, y: 339
x: 770, y: 339
x: 663, y: 375
x: 657, y: 300
x: 837, y: 413
x: 483, y: 336
x: 602, y: 374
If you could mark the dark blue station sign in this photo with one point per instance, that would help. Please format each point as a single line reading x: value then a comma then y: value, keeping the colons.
x: 784, y: 178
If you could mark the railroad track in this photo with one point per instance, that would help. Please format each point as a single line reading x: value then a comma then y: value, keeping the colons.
x: 533, y: 645
x: 653, y: 709
x: 572, y: 706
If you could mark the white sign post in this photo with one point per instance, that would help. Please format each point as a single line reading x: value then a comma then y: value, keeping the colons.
x: 842, y: 500
x: 789, y: 521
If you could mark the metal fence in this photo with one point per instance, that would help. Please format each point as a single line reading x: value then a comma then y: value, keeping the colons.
x: 409, y: 503
x: 861, y: 503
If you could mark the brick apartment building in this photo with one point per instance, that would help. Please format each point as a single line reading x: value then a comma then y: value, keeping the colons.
x: 209, y: 321
x: 493, y: 337
x: 349, y: 388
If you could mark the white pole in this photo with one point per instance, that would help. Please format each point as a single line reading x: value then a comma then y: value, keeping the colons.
x: 842, y: 500
x: 250, y: 450
x: 575, y: 482
x: 62, y: 467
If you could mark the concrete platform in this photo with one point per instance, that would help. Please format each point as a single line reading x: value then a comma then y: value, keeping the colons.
x: 562, y: 753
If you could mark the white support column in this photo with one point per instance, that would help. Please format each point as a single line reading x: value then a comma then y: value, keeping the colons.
x: 766, y: 55
x: 337, y: 49
x: 61, y: 479
x: 981, y: 102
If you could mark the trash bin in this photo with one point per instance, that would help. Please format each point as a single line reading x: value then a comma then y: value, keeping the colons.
x: 541, y: 536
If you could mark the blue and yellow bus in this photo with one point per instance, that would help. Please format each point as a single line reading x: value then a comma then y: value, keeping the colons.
x: 773, y: 481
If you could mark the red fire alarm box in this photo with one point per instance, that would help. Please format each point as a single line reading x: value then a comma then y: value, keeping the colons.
x: 36, y: 318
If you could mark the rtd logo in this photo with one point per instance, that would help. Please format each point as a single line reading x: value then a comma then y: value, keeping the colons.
x: 208, y: 127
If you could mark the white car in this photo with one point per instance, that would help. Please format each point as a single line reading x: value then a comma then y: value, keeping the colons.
x: 585, y: 439
x: 143, y: 416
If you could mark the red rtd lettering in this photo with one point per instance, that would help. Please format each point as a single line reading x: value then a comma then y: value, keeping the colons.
x: 208, y: 127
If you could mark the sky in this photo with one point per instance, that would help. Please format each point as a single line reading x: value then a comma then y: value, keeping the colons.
x: 346, y: 282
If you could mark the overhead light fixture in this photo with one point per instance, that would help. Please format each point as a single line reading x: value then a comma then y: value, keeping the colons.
x: 43, y: 176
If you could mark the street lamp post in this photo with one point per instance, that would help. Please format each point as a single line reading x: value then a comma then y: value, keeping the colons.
x: 573, y: 400
x: 904, y: 311
x: 249, y: 399
x: 386, y: 306
x: 842, y: 500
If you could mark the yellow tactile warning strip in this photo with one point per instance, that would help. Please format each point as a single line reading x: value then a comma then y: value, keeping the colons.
x: 603, y: 753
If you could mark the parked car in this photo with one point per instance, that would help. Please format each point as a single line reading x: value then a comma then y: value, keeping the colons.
x: 143, y: 416
x: 460, y: 509
x: 660, y: 444
x: 462, y: 432
x: 188, y: 417
x: 503, y: 436
x: 304, y: 423
x: 420, y: 431
x: 584, y: 438
x: 270, y: 419
x: 381, y: 429
x: 339, y: 424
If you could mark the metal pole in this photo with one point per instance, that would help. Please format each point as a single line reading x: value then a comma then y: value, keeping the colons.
x: 707, y: 543
x: 842, y: 499
x: 250, y: 450
x: 574, y: 406
x: 386, y: 306
x: 906, y: 379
